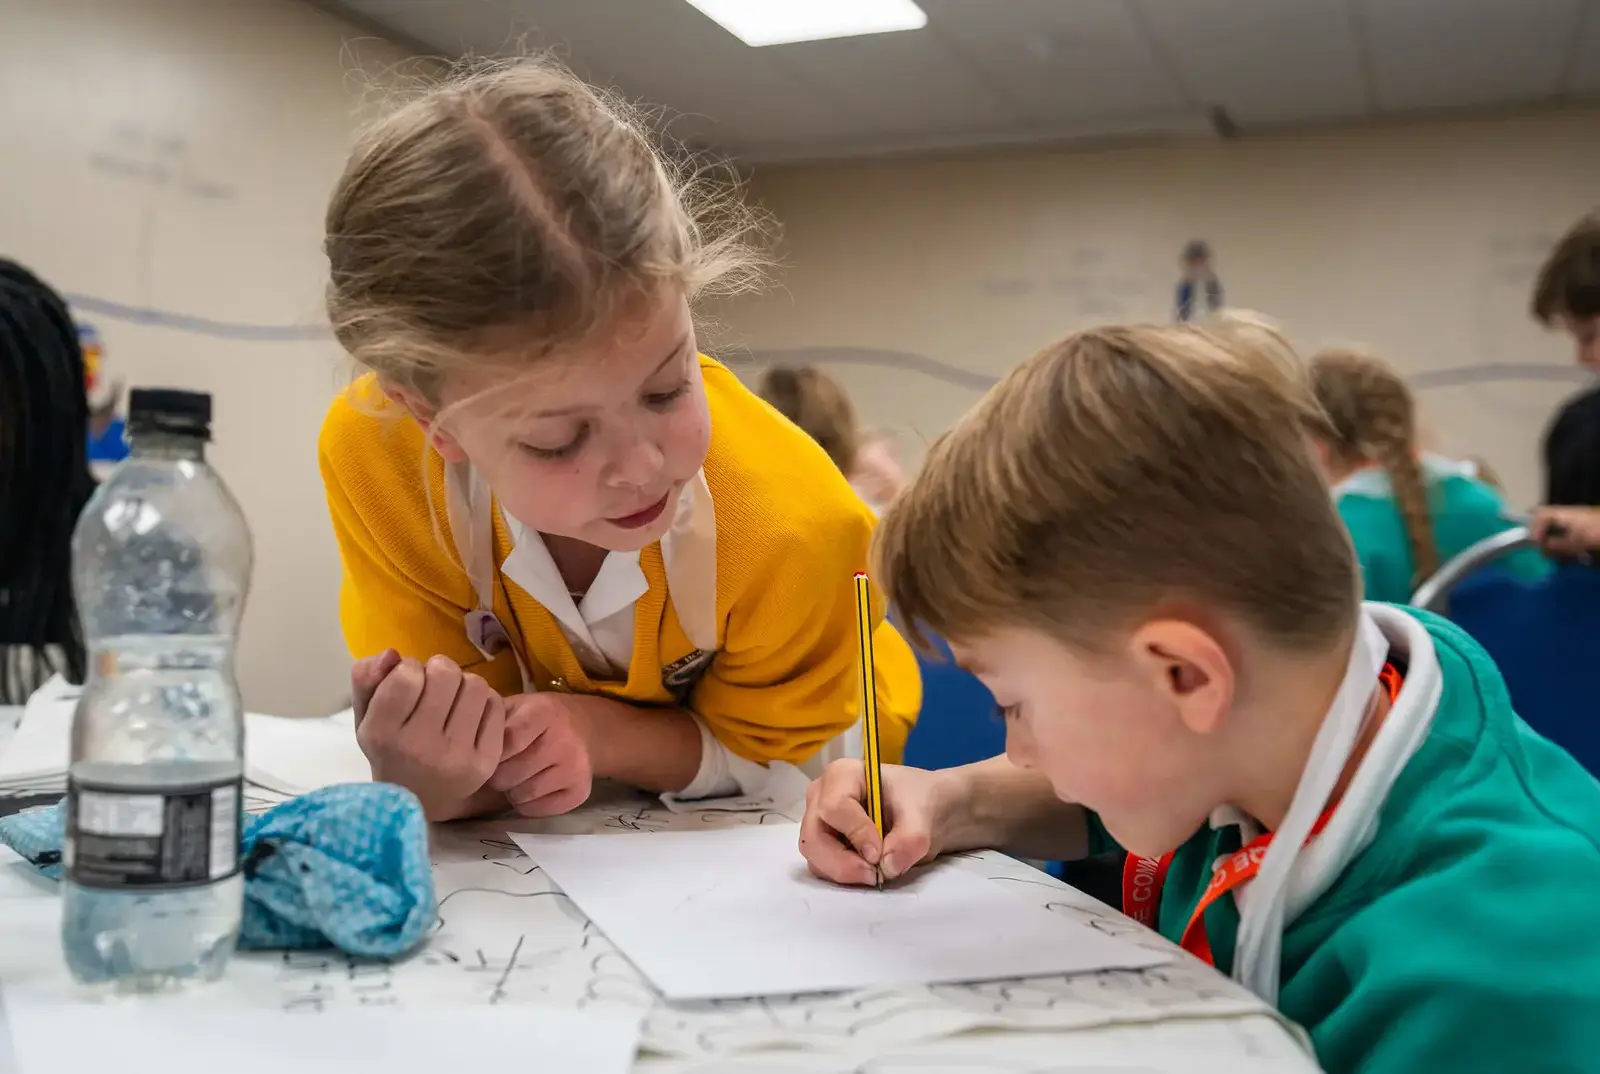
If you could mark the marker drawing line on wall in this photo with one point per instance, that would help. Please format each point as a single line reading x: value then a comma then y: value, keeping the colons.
x: 902, y: 361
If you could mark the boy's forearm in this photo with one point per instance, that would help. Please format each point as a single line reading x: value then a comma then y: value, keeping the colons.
x: 997, y: 805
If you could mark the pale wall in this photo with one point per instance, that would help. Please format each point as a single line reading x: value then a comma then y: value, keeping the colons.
x: 177, y: 155
x: 1420, y: 241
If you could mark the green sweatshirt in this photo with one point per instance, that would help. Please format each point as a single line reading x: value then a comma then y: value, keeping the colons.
x: 1466, y: 937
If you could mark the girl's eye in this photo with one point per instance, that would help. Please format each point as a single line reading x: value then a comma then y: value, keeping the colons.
x: 565, y: 451
x: 1007, y: 712
x: 663, y: 400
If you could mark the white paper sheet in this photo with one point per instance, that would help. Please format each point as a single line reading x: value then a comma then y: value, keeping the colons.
x: 298, y: 756
x: 289, y: 756
x: 39, y: 748
x: 53, y: 1032
x: 733, y: 913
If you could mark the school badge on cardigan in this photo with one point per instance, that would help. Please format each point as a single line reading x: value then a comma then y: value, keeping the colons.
x: 680, y: 676
x: 1199, y: 289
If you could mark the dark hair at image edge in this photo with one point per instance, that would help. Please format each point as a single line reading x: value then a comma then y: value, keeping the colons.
x: 1568, y: 284
x: 44, y: 479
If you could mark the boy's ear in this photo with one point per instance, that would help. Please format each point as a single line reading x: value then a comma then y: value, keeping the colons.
x: 424, y: 414
x: 1190, y: 667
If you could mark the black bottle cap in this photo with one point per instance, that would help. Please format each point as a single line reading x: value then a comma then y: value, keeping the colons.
x: 169, y: 410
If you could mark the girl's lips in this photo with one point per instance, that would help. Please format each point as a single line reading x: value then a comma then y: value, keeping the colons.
x: 641, y: 518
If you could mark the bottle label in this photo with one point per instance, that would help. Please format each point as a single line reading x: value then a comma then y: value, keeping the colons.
x: 157, y: 837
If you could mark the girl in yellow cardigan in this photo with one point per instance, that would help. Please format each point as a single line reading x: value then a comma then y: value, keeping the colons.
x: 574, y: 547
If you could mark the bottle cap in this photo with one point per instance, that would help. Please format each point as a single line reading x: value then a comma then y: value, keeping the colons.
x: 169, y: 410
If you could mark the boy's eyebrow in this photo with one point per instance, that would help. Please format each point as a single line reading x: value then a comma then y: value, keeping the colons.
x: 557, y: 412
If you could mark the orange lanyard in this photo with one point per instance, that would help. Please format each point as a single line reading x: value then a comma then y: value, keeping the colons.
x: 1144, y: 878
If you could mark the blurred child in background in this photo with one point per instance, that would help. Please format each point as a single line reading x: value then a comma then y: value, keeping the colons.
x: 819, y: 405
x: 1566, y: 296
x: 1407, y: 512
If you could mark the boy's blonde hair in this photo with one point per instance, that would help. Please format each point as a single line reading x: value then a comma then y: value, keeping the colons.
x: 1373, y: 419
x: 508, y: 211
x: 820, y: 406
x: 1117, y: 471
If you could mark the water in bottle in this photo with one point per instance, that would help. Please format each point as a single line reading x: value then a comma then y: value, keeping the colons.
x: 161, y: 567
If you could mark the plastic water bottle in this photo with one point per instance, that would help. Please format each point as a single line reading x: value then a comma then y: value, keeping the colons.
x: 161, y: 567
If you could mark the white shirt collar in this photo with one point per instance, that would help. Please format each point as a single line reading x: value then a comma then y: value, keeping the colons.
x: 618, y: 585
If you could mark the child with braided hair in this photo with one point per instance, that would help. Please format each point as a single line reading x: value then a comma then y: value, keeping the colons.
x: 1407, y: 512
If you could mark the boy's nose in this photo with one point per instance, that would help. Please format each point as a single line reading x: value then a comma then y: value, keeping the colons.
x: 1019, y: 747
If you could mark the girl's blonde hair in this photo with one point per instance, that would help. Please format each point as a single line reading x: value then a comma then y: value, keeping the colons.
x: 1373, y: 419
x: 511, y: 210
x: 1117, y: 470
x: 820, y: 406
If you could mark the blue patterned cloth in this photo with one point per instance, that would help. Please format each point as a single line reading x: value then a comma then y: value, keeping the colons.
x: 343, y: 867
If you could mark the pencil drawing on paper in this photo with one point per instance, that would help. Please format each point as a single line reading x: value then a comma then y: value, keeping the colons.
x: 507, y: 935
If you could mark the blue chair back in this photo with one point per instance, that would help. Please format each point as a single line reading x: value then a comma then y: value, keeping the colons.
x: 958, y: 723
x: 1542, y: 635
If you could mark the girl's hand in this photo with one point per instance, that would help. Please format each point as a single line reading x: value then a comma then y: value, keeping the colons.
x: 1567, y: 531
x: 545, y: 767
x: 839, y: 840
x: 433, y: 729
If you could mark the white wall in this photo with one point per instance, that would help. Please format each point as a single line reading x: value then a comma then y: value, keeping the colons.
x: 177, y: 155
x: 1420, y: 241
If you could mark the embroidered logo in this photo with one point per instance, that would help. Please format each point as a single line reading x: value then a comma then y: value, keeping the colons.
x: 680, y: 676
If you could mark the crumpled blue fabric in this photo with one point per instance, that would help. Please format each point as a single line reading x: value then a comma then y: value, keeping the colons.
x: 345, y: 866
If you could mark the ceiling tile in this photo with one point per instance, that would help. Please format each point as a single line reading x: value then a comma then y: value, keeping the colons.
x: 1457, y: 53
x: 1055, y: 61
x: 898, y: 82
x: 1265, y: 61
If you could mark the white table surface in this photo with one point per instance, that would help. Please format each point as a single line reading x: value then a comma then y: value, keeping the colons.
x: 508, y: 936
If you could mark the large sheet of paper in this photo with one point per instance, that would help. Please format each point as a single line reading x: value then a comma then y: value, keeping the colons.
x: 1250, y: 1045
x: 509, y: 938
x: 734, y: 913
x: 53, y: 1032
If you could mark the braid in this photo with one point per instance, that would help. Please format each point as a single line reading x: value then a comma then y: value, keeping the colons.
x: 44, y: 482
x: 1393, y: 446
x: 1373, y: 419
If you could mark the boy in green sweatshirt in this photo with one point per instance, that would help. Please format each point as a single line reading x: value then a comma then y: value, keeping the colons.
x: 1129, y: 541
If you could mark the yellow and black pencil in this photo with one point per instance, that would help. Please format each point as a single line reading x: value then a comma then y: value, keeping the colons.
x: 869, y: 713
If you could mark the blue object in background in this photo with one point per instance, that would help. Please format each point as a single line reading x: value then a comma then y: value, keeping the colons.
x: 111, y: 445
x: 1542, y: 634
x: 958, y: 723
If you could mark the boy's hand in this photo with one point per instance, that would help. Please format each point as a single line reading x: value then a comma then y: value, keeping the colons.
x: 841, y: 844
x: 431, y: 728
x: 544, y: 768
x: 1567, y: 531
